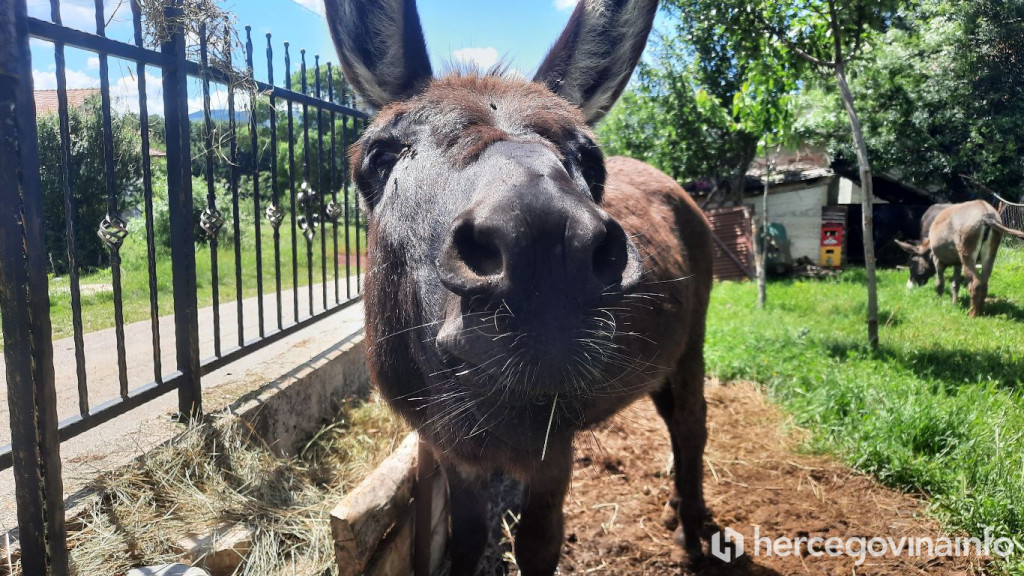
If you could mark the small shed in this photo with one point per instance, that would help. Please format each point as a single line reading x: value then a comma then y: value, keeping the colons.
x: 802, y: 186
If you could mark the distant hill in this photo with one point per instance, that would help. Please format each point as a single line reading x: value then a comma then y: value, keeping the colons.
x: 241, y: 116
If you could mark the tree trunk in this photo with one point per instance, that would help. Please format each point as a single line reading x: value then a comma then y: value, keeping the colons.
x: 747, y: 146
x: 762, y: 235
x: 868, y: 199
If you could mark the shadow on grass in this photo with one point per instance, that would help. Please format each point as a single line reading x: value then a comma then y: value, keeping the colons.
x: 950, y: 367
x: 1003, y: 307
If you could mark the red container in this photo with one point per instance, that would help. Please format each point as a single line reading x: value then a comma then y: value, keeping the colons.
x: 831, y: 235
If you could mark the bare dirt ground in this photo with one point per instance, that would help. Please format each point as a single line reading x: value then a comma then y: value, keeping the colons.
x: 755, y: 477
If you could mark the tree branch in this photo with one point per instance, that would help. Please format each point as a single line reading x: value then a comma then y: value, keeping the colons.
x: 774, y: 31
x: 837, y: 42
x: 777, y: 33
x: 856, y: 44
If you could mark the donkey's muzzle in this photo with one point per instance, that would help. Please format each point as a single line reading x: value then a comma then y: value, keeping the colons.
x: 537, y: 239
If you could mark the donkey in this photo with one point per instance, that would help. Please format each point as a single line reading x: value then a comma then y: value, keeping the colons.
x: 520, y: 286
x: 960, y: 236
x: 929, y: 217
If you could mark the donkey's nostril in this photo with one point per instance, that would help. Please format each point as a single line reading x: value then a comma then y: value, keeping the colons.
x: 471, y: 261
x: 477, y: 249
x: 611, y: 255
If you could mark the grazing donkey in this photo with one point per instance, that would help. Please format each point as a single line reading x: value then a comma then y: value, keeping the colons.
x: 960, y: 236
x: 521, y: 287
x: 929, y: 217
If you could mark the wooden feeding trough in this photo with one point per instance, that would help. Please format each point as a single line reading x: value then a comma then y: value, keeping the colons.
x: 395, y: 522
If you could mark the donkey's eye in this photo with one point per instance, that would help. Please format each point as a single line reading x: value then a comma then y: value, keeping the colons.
x: 382, y: 160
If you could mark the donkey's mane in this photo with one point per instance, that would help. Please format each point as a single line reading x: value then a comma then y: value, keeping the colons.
x: 500, y: 69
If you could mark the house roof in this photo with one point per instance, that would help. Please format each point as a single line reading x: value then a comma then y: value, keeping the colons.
x: 787, y: 167
x: 47, y: 102
x: 888, y: 187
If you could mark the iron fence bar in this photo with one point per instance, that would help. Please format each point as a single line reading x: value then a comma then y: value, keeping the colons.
x: 24, y: 308
x: 333, y: 180
x: 254, y: 159
x: 56, y: 33
x: 345, y: 183
x: 321, y: 212
x: 274, y: 213
x: 76, y: 425
x: 235, y: 204
x: 113, y: 229
x: 147, y: 188
x: 310, y: 228
x: 211, y: 220
x: 291, y: 183
x: 70, y: 211
x: 179, y: 185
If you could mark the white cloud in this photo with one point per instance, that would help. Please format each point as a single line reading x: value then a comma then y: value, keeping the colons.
x: 124, y: 93
x: 218, y: 98
x: 93, y: 63
x: 484, y: 58
x: 563, y: 5
x: 81, y: 14
x: 312, y: 5
x: 76, y: 79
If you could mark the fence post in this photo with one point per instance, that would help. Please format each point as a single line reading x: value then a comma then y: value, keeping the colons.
x: 179, y: 200
x: 25, y: 308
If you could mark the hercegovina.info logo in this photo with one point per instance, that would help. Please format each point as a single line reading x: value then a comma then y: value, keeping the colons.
x: 728, y: 545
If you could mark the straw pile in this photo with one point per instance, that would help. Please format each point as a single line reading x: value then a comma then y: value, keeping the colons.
x: 219, y: 473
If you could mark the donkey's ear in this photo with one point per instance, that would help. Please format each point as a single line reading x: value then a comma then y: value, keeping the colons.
x: 593, y: 59
x: 908, y: 247
x: 381, y: 46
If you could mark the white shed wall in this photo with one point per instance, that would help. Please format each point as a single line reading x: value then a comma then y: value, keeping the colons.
x: 800, y: 212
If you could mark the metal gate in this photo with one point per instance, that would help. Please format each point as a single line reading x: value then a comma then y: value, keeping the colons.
x: 310, y: 212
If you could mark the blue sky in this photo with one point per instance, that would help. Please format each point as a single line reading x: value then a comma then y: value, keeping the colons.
x: 470, y: 30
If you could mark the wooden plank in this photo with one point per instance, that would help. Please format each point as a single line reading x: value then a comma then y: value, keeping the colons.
x: 366, y: 515
x: 394, y: 555
x: 426, y: 472
x: 439, y: 525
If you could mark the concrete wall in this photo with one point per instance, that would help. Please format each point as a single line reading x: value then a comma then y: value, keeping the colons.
x: 799, y: 210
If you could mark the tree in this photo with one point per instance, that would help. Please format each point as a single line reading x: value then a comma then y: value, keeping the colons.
x: 667, y: 120
x: 939, y: 98
x: 695, y: 110
x: 87, y: 181
x: 828, y: 37
x: 824, y: 38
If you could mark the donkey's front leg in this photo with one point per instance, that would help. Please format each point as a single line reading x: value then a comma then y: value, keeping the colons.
x: 542, y: 525
x: 469, y: 493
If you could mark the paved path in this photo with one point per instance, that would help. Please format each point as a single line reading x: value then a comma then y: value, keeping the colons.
x: 101, y: 356
x: 127, y: 436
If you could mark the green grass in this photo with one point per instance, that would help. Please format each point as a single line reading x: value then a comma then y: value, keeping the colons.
x: 938, y: 410
x: 98, y: 296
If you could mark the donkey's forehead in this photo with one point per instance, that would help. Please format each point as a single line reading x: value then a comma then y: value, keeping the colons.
x: 470, y: 112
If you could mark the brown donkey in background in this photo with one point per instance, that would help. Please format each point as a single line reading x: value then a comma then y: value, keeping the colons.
x: 961, y: 236
x: 520, y: 287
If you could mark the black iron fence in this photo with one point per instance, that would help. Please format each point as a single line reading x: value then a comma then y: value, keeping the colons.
x: 271, y: 237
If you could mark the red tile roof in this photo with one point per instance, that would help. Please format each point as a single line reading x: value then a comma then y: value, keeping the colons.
x: 46, y: 100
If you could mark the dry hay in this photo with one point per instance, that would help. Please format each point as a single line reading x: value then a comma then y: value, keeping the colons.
x: 217, y: 473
